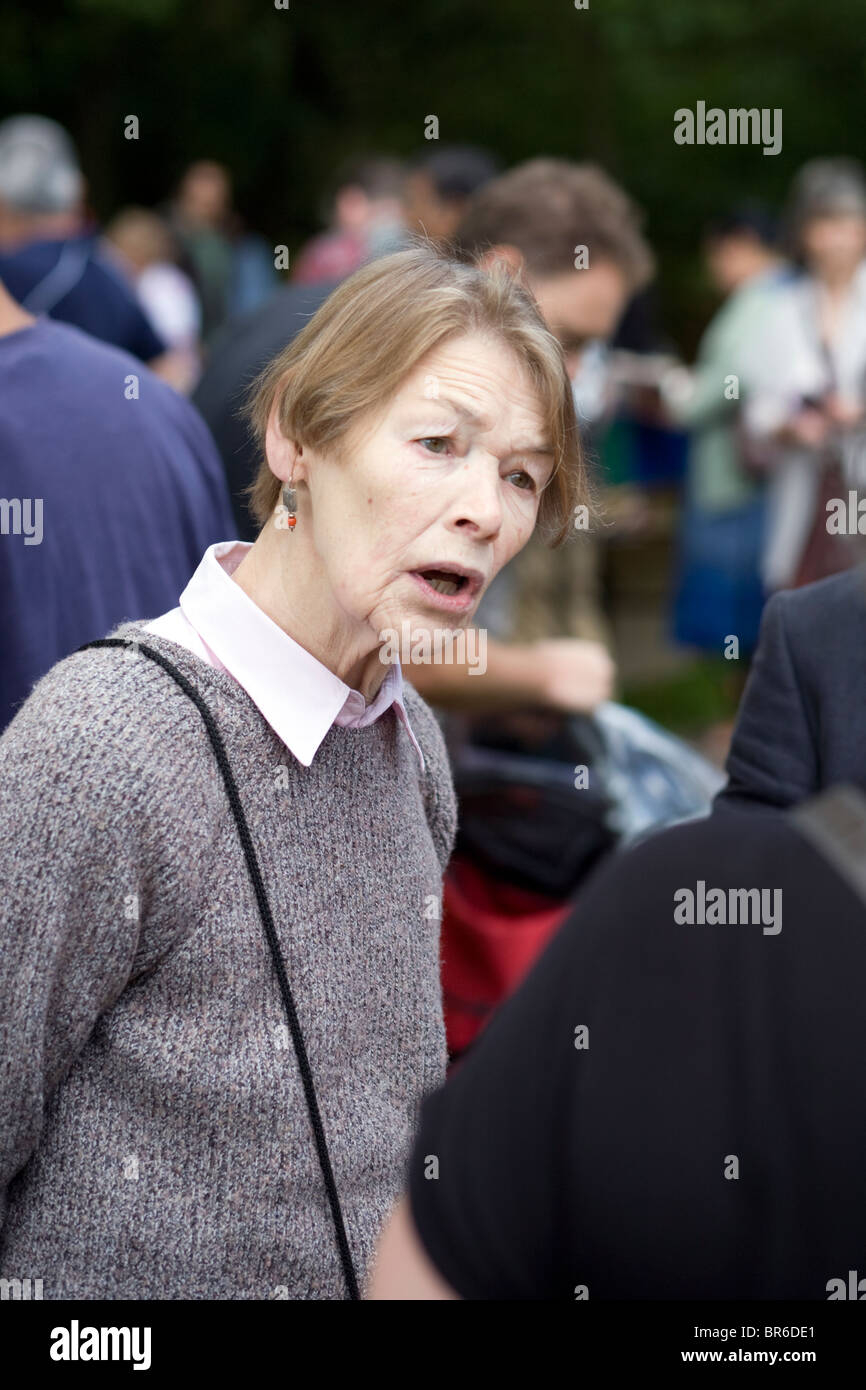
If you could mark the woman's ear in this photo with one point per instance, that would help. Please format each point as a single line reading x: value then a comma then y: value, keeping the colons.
x: 284, y: 455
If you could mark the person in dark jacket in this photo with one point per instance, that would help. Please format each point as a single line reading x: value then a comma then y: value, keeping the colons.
x: 673, y: 1104
x: 798, y: 728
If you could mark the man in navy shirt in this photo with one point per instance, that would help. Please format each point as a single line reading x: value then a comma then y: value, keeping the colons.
x: 48, y: 260
x: 111, y: 490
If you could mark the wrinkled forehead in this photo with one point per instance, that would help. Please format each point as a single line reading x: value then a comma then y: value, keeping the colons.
x: 478, y: 375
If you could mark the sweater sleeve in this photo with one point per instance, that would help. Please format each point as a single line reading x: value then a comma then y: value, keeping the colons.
x: 88, y: 875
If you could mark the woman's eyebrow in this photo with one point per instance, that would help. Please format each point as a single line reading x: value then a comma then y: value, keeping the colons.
x: 534, y: 449
x: 449, y: 404
x: 462, y: 410
x: 481, y: 420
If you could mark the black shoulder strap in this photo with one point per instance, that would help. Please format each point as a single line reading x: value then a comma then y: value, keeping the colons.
x: 270, y: 933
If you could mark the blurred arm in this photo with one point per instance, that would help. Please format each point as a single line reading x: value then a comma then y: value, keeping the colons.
x: 403, y: 1269
x: 562, y: 673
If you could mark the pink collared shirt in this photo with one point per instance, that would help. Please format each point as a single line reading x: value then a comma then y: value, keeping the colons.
x: 298, y: 696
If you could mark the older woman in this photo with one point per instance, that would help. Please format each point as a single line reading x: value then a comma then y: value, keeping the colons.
x: 222, y: 836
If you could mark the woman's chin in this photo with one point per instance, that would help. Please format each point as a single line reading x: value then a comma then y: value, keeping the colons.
x: 416, y: 638
x: 422, y: 620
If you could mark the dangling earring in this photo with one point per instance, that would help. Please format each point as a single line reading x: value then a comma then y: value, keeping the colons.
x: 286, y: 514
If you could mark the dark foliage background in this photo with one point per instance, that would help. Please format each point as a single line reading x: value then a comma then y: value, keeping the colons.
x: 283, y: 95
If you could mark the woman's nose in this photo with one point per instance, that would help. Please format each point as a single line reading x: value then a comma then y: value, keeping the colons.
x: 480, y: 502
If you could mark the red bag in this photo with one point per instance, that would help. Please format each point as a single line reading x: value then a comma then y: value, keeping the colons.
x: 492, y: 932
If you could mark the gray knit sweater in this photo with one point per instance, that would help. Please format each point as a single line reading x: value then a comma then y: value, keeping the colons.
x: 154, y: 1139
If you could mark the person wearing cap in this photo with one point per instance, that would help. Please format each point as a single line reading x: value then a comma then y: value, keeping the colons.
x: 805, y: 412
x: 672, y: 1106
x: 111, y: 489
x: 50, y: 261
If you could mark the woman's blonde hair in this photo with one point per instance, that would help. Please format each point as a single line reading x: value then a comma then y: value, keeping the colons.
x: 358, y: 348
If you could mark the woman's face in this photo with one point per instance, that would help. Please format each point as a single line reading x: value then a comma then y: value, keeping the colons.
x: 434, y: 495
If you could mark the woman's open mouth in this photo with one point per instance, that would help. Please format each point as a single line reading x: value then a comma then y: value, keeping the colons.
x: 449, y: 588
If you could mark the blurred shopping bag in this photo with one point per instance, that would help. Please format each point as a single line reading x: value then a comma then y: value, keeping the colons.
x: 651, y: 778
x: 542, y: 799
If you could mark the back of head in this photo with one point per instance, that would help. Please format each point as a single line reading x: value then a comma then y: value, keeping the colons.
x: 545, y: 208
x: 730, y: 1087
x: 457, y: 171
x: 39, y: 171
x: 378, y: 177
x: 142, y: 236
x: 750, y: 219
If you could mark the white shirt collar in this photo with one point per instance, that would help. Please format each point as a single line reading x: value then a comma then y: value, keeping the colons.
x: 298, y: 696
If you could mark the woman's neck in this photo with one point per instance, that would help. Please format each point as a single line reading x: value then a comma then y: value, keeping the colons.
x: 12, y: 317
x: 837, y: 282
x: 282, y: 575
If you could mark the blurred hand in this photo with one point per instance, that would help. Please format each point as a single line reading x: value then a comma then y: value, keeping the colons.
x: 809, y: 427
x: 844, y: 412
x: 573, y: 675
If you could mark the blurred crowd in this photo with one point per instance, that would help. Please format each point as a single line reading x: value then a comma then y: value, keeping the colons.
x: 764, y: 427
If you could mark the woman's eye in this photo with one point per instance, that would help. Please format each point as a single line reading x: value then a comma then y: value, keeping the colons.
x: 435, y: 439
x: 529, y: 482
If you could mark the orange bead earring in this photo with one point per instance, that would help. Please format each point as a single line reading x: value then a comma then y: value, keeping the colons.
x: 286, y: 514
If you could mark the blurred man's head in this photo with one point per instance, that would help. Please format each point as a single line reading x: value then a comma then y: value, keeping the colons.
x: 439, y: 186
x: 204, y: 194
x: 41, y: 184
x: 142, y: 238
x: 366, y: 193
x: 826, y: 217
x: 740, y: 245
x: 575, y: 238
